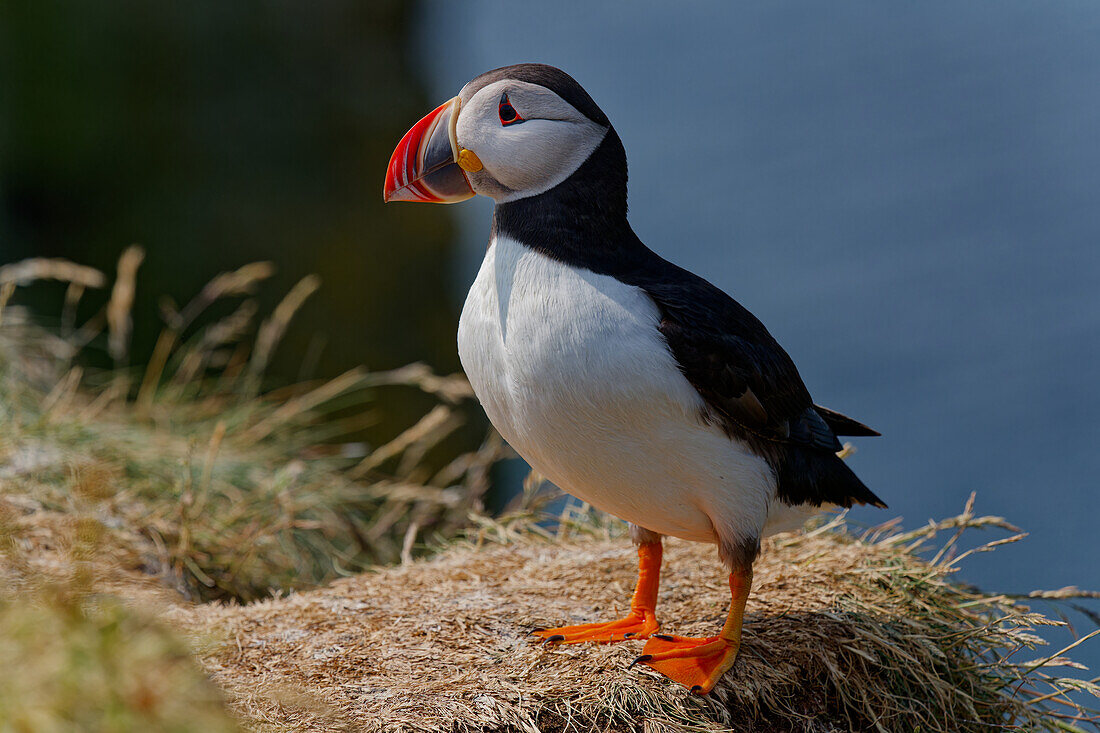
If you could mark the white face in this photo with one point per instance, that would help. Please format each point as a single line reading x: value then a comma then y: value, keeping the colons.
x: 543, y: 146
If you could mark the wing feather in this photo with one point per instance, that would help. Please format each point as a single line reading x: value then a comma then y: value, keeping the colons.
x: 753, y: 390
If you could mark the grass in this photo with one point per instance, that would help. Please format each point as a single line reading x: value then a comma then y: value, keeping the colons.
x: 139, y: 509
x: 228, y: 492
x: 77, y: 662
x: 844, y: 632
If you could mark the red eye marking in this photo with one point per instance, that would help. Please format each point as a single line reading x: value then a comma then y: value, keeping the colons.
x: 508, y: 114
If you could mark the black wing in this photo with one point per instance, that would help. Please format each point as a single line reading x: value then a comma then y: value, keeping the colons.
x: 752, y: 388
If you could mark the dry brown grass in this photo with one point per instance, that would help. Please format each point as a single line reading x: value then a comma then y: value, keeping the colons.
x: 842, y: 634
x: 221, y: 489
x: 121, y: 495
x: 83, y: 639
x: 77, y: 665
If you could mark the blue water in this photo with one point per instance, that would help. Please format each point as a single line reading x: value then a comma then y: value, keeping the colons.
x: 907, y: 194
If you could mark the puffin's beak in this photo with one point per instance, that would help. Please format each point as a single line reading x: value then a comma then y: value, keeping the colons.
x: 424, y: 167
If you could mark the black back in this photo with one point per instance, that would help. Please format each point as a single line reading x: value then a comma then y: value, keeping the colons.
x: 749, y: 384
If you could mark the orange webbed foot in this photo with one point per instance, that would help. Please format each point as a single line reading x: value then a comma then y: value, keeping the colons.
x: 693, y: 662
x: 639, y: 624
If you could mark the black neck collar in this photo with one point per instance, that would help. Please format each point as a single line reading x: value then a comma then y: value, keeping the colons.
x: 581, y: 221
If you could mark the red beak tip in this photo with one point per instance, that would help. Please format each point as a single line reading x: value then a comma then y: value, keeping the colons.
x: 420, y: 167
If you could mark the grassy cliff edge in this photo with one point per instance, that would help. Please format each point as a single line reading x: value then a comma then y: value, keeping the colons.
x: 172, y: 544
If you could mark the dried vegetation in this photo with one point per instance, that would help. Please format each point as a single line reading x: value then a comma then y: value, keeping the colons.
x: 222, y: 490
x: 126, y: 500
x: 843, y: 633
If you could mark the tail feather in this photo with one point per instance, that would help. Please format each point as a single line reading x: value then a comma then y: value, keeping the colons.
x: 857, y: 492
x: 818, y: 477
x: 844, y: 425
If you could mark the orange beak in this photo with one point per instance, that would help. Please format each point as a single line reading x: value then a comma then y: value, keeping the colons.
x: 424, y: 167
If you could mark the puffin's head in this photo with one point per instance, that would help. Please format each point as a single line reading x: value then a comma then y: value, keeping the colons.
x: 510, y: 133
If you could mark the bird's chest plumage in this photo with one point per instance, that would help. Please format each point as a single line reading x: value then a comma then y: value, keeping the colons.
x: 572, y: 370
x: 550, y: 347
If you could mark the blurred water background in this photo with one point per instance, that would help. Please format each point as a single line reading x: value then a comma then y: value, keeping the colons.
x: 906, y: 194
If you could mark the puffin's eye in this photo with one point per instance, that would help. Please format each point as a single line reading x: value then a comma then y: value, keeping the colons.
x: 508, y: 114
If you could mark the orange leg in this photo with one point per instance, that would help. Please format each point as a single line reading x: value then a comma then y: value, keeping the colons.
x: 698, y: 663
x: 638, y: 624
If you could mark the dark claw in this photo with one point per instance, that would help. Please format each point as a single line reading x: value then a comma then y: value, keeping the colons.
x: 555, y: 637
x: 639, y: 660
x: 697, y: 689
x: 628, y: 634
x: 663, y: 637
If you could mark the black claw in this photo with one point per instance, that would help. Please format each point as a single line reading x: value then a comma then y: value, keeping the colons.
x: 555, y: 637
x: 627, y: 635
x: 697, y: 689
x: 639, y: 660
x: 663, y: 637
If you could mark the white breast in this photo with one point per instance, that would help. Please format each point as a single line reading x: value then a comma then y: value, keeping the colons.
x: 571, y: 369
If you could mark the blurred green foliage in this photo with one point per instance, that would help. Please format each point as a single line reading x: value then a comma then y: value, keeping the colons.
x: 215, y: 134
x: 75, y: 664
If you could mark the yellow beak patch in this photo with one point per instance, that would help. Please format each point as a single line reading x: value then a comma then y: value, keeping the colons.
x: 468, y: 161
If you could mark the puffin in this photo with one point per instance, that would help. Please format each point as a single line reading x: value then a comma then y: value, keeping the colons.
x: 629, y: 382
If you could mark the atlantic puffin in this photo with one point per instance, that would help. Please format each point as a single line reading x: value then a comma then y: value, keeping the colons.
x: 629, y: 382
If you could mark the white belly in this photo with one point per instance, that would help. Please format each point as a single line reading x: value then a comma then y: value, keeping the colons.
x: 572, y: 371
